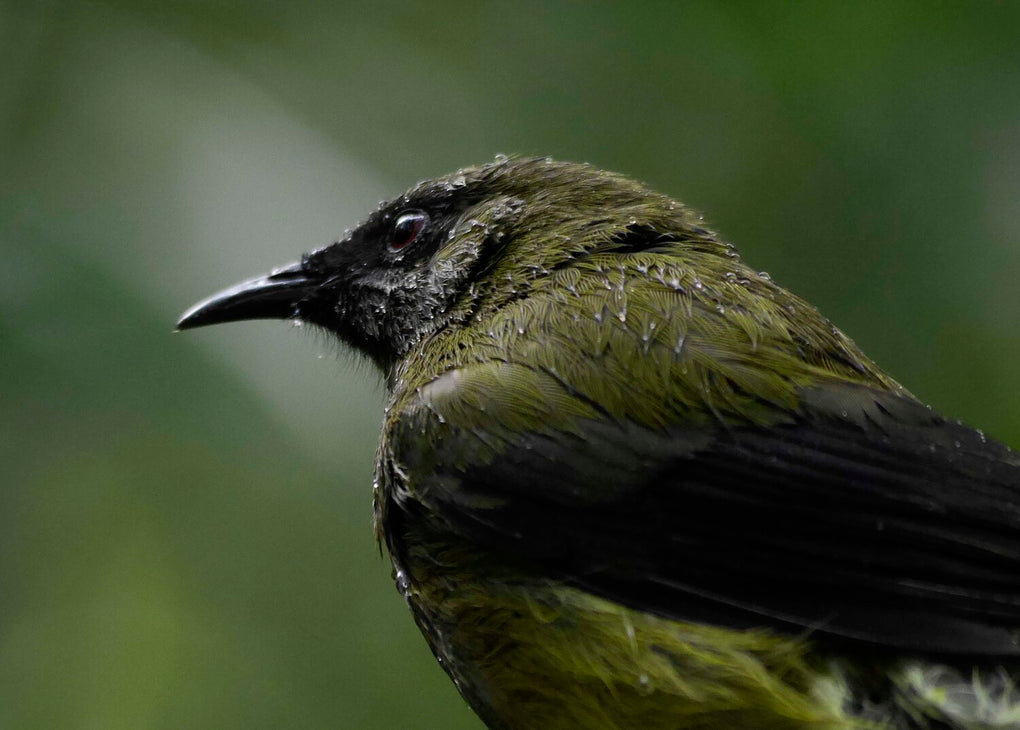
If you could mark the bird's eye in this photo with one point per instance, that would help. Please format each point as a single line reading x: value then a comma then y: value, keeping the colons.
x: 407, y: 229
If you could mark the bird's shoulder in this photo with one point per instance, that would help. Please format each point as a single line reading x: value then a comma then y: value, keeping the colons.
x: 655, y: 337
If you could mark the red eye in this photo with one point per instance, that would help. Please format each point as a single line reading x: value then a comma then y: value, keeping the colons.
x: 407, y: 229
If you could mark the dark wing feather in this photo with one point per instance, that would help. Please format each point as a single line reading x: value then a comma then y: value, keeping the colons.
x: 866, y: 518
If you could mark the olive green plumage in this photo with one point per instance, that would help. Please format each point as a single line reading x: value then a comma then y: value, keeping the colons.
x: 626, y: 481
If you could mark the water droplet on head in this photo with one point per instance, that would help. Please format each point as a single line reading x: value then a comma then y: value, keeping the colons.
x: 765, y: 275
x: 403, y: 584
x: 500, y: 157
x: 458, y: 181
x: 644, y: 683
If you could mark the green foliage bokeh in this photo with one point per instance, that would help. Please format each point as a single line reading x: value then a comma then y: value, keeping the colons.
x: 186, y: 524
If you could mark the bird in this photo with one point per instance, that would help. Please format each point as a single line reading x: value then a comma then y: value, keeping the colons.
x: 627, y: 481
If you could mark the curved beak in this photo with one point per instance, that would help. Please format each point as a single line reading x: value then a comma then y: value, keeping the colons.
x: 276, y: 296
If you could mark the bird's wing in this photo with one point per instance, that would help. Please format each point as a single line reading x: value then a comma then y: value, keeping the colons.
x: 862, y: 516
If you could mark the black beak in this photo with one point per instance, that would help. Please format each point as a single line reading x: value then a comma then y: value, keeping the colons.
x: 276, y: 296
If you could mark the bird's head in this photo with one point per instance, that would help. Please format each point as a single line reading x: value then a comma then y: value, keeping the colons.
x: 453, y: 246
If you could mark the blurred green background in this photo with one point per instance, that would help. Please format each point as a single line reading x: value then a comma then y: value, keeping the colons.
x: 186, y: 531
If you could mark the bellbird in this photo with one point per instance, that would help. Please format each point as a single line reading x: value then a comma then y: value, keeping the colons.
x: 626, y: 481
